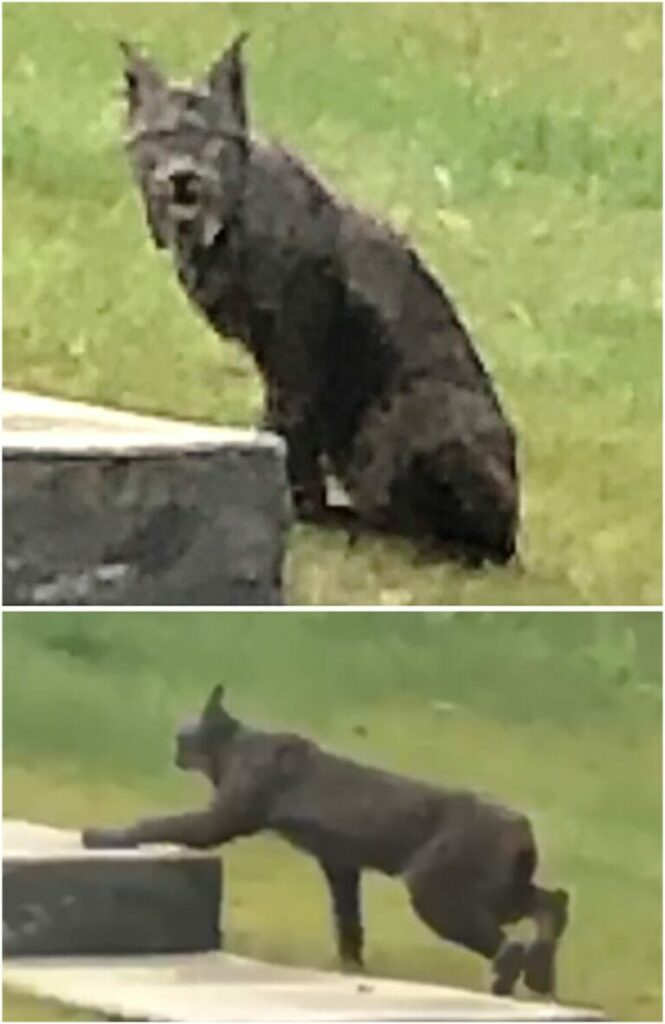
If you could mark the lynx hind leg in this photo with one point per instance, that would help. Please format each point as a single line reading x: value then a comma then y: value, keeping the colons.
x: 507, y: 966
x: 379, y: 474
x: 550, y: 914
x: 369, y: 472
x: 463, y: 918
x: 456, y: 910
x: 410, y: 475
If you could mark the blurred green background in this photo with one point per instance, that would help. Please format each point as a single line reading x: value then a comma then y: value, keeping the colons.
x: 519, y: 145
x: 555, y: 713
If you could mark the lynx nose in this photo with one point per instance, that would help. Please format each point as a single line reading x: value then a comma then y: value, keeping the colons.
x: 184, y: 188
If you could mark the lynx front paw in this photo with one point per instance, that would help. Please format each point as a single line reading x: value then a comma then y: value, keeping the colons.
x: 106, y: 839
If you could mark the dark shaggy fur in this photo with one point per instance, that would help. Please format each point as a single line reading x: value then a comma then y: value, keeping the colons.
x: 468, y: 863
x: 367, y: 368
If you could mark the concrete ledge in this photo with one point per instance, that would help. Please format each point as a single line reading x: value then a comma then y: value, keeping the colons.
x: 110, y: 508
x: 59, y: 898
x: 220, y: 987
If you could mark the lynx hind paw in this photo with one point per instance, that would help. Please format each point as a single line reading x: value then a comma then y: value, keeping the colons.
x: 508, y: 965
x: 539, y: 971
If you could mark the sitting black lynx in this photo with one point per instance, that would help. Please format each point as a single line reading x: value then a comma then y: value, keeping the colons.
x: 468, y: 863
x: 368, y: 369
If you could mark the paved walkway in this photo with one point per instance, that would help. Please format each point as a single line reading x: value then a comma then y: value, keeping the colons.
x: 220, y: 987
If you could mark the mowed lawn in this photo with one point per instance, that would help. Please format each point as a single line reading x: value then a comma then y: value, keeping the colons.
x: 557, y: 714
x: 518, y: 145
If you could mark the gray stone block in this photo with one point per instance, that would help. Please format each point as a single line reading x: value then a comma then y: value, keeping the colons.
x: 109, y: 508
x: 63, y: 900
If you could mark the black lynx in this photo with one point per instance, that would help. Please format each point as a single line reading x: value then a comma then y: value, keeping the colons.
x: 368, y: 371
x: 468, y: 863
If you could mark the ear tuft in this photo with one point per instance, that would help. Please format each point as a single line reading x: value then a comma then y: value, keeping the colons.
x: 229, y: 69
x: 129, y: 52
x: 214, y: 701
x: 240, y: 40
x: 226, y: 81
x: 142, y: 78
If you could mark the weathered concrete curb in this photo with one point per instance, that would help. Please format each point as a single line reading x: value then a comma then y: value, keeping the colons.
x: 60, y: 899
x: 110, y: 508
x: 219, y: 987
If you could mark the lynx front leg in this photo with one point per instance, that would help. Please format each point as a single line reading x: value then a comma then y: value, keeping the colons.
x: 344, y: 884
x: 199, y: 829
x: 294, y: 421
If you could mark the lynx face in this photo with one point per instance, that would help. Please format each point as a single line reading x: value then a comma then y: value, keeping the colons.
x: 192, y: 748
x: 199, y: 742
x: 188, y: 148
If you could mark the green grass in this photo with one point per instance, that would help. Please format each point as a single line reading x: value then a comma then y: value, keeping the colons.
x: 21, y: 1006
x: 519, y: 145
x: 558, y: 714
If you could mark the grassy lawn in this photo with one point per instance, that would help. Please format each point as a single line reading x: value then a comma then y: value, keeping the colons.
x: 17, y: 1006
x: 558, y: 714
x: 518, y: 145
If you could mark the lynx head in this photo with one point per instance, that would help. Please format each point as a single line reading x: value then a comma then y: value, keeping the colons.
x: 188, y: 146
x: 200, y: 742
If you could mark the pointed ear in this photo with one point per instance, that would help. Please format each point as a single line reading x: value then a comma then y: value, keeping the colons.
x: 141, y: 76
x: 226, y: 81
x: 214, y: 701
